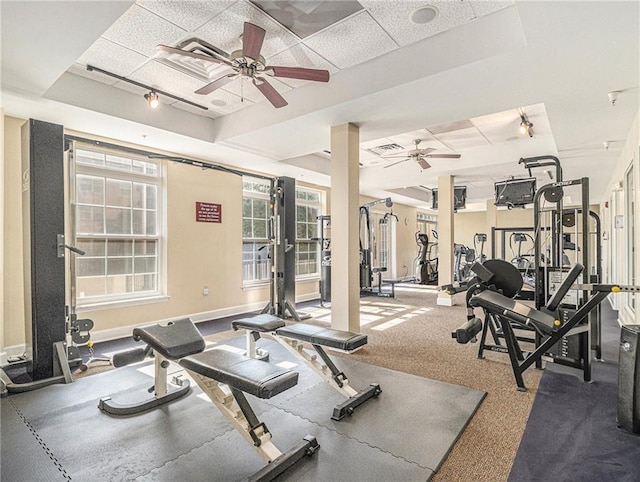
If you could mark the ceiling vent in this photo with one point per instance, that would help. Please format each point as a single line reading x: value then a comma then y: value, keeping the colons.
x: 386, y: 149
x: 200, y: 69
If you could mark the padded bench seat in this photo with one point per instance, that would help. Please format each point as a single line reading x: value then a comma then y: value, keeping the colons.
x: 263, y: 323
x: 174, y: 340
x: 513, y: 310
x: 317, y: 335
x: 249, y: 375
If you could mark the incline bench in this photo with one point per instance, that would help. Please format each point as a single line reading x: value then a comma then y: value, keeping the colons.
x: 291, y: 337
x: 214, y: 368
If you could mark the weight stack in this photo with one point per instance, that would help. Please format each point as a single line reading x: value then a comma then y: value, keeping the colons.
x: 629, y: 379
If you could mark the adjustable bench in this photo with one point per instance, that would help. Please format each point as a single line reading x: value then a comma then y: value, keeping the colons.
x: 505, y: 312
x: 291, y: 337
x: 243, y: 375
x: 165, y: 343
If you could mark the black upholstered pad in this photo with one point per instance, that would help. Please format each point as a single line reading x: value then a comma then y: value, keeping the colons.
x: 249, y: 375
x: 317, y: 335
x: 174, y: 340
x: 513, y: 310
x: 262, y: 323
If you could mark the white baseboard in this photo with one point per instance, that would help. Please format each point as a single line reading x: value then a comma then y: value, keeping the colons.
x: 125, y: 331
x: 11, y: 351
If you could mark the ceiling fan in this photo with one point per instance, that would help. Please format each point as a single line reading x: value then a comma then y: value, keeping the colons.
x: 248, y: 63
x: 421, y: 156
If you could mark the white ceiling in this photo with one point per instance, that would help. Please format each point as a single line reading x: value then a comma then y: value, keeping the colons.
x: 480, y: 63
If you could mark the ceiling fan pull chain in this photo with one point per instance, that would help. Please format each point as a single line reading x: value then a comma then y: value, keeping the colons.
x: 241, y: 88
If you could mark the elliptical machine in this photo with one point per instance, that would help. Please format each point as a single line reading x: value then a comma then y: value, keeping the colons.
x: 426, y: 266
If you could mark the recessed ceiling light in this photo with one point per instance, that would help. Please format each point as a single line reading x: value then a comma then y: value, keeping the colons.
x: 424, y: 15
x: 218, y: 103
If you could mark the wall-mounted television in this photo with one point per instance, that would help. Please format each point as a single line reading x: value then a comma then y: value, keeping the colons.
x: 515, y: 192
x: 459, y: 198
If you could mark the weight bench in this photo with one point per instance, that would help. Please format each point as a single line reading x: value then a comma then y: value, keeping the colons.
x: 210, y: 369
x: 291, y: 337
x: 505, y: 312
x: 165, y: 343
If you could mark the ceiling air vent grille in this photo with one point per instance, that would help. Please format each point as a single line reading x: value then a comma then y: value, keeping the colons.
x: 386, y: 149
x: 200, y: 69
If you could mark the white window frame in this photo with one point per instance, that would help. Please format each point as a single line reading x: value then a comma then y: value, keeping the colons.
x: 252, y: 189
x: 159, y: 237
x: 312, y: 244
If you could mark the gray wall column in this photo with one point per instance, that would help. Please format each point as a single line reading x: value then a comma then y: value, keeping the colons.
x: 345, y: 201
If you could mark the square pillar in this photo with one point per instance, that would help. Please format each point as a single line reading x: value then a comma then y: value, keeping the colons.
x: 345, y: 250
x: 445, y: 237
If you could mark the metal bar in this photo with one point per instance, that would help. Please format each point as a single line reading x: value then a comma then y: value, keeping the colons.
x: 91, y: 68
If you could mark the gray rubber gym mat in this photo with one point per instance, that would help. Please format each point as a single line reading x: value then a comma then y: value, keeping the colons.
x: 402, y: 435
x: 23, y: 457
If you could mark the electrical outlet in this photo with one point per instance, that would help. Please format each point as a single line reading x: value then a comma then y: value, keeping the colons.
x: 205, y: 291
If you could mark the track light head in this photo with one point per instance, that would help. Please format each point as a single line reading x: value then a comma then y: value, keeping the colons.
x: 152, y: 99
x: 525, y: 126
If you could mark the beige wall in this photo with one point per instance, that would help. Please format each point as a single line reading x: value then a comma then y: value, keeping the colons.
x: 197, y: 254
x: 13, y: 312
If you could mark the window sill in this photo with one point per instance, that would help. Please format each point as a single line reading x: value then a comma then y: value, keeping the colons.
x: 117, y: 304
x: 307, y: 278
x: 255, y: 285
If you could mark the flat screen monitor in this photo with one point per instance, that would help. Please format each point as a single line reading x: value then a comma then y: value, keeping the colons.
x: 459, y: 198
x: 515, y: 192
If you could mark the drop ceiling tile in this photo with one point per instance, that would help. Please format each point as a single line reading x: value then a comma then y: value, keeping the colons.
x: 188, y: 15
x: 499, y: 127
x: 140, y: 30
x: 195, y: 110
x: 485, y: 7
x: 112, y: 57
x: 375, y: 143
x: 79, y: 69
x: 247, y: 90
x: 395, y: 17
x: 160, y: 76
x: 224, y: 30
x: 300, y: 56
x: 463, y: 139
x: 356, y: 40
x: 427, y: 140
x: 221, y: 101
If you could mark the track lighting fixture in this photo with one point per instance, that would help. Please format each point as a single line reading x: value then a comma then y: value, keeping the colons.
x: 152, y: 96
x: 525, y: 126
x: 152, y: 99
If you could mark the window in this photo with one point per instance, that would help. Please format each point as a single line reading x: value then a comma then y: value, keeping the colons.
x: 256, y: 263
x: 308, y: 205
x: 118, y: 224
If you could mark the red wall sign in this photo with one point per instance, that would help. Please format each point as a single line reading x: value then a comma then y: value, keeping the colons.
x: 208, y: 212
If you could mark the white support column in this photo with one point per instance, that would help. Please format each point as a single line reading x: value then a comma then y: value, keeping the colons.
x: 445, y: 237
x: 2, y: 164
x: 345, y: 190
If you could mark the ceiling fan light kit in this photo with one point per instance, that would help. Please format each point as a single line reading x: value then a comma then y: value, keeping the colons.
x: 248, y: 63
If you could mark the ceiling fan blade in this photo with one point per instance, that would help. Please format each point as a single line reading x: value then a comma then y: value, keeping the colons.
x: 188, y: 53
x: 300, y: 73
x: 216, y: 84
x: 425, y: 151
x: 444, y: 156
x: 252, y: 39
x: 397, y: 162
x: 270, y: 93
x: 424, y: 164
